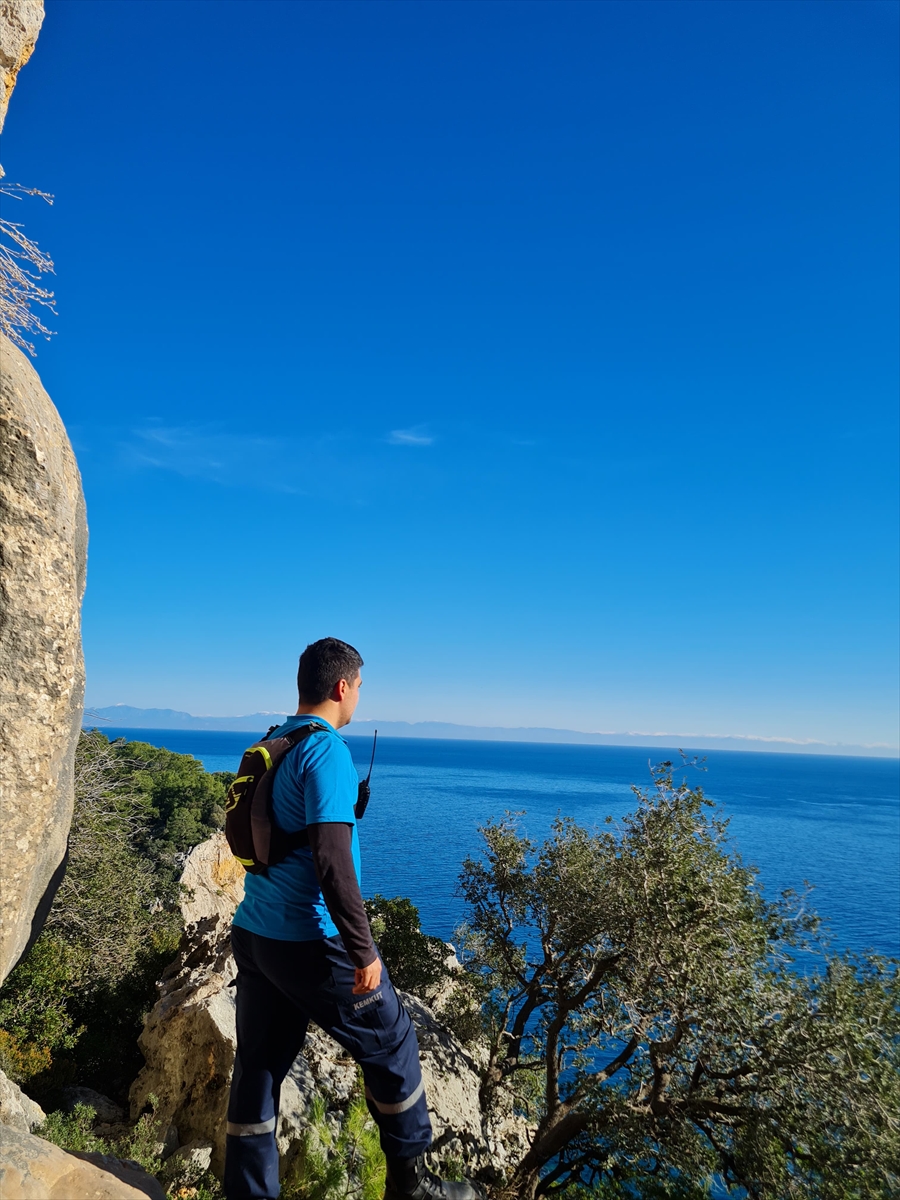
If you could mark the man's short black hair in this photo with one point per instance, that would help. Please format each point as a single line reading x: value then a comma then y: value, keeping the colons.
x: 323, y: 664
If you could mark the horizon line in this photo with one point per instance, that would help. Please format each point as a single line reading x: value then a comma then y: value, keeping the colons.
x: 889, y: 749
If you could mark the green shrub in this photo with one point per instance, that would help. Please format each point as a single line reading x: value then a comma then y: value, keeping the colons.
x: 186, y: 803
x: 334, y: 1167
x: 194, y: 1184
x: 36, y: 1023
x: 73, y: 1131
x: 462, y: 1011
x: 415, y: 960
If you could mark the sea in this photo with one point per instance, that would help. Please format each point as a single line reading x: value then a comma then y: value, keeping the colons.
x: 828, y: 821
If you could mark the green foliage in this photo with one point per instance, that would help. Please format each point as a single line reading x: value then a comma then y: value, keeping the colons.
x: 333, y: 1166
x: 186, y: 804
x: 453, y: 1168
x: 415, y: 960
x: 672, y: 1188
x: 462, y: 1008
x: 196, y: 1185
x: 74, y: 1131
x: 417, y: 963
x: 73, y: 1008
x: 641, y: 979
x: 35, y: 1020
x: 344, y: 1165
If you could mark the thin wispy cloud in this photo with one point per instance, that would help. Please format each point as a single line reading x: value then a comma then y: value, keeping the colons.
x: 409, y: 437
x: 210, y: 453
x: 290, y: 464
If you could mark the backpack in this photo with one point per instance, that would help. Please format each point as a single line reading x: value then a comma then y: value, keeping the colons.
x: 256, y: 841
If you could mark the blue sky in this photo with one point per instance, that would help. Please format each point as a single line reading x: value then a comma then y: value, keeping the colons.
x: 546, y: 352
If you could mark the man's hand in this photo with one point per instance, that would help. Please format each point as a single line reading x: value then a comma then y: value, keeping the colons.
x: 367, y: 978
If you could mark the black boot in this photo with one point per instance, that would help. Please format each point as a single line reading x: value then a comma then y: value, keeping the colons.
x: 410, y: 1179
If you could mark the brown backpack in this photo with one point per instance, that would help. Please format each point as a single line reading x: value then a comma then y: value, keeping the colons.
x: 256, y: 841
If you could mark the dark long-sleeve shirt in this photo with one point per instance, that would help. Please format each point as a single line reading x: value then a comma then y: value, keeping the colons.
x: 333, y: 862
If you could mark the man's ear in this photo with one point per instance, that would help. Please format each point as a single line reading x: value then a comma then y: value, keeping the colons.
x: 339, y: 691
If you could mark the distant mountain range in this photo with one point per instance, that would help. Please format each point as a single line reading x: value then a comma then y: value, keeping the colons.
x: 123, y: 716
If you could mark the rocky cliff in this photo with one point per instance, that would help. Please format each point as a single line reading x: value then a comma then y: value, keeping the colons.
x: 43, y: 541
x: 20, y: 24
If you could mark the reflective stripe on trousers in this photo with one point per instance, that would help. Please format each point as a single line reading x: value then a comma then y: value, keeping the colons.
x: 250, y: 1128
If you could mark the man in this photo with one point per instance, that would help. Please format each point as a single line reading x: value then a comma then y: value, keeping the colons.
x: 304, y: 952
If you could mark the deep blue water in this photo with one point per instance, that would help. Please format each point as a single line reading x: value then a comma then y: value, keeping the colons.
x: 831, y: 820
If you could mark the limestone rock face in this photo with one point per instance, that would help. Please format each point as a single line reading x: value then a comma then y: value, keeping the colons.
x: 451, y: 1085
x: 20, y: 23
x: 43, y: 546
x: 489, y: 1147
x: 212, y: 882
x: 18, y: 1110
x: 32, y: 1169
x: 189, y: 1037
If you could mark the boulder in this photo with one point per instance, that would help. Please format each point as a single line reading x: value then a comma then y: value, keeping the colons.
x: 488, y: 1146
x: 168, y: 1143
x: 20, y: 24
x: 212, y: 881
x: 18, y: 1110
x: 32, y: 1169
x: 195, y: 1155
x: 43, y: 540
x: 105, y: 1110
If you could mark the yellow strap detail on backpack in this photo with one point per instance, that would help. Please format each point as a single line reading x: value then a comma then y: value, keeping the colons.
x: 234, y: 792
x: 266, y: 755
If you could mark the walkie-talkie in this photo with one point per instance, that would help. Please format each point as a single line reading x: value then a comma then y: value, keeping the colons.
x: 362, y: 796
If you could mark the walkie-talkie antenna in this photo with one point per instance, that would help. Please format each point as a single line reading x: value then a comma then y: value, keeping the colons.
x: 372, y: 759
x: 362, y: 797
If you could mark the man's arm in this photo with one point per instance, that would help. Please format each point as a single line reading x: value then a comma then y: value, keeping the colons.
x: 333, y: 861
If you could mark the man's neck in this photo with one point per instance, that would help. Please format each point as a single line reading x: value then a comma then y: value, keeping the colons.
x: 328, y: 710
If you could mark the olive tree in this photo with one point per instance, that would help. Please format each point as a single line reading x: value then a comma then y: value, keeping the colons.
x: 664, y: 1025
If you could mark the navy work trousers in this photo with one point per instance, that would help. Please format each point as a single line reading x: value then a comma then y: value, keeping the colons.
x: 281, y: 987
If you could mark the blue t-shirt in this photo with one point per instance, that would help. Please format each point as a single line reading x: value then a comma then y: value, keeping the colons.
x: 315, y: 783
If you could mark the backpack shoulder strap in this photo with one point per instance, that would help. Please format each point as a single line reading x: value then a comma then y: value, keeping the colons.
x: 296, y: 841
x: 295, y: 735
x: 299, y: 735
